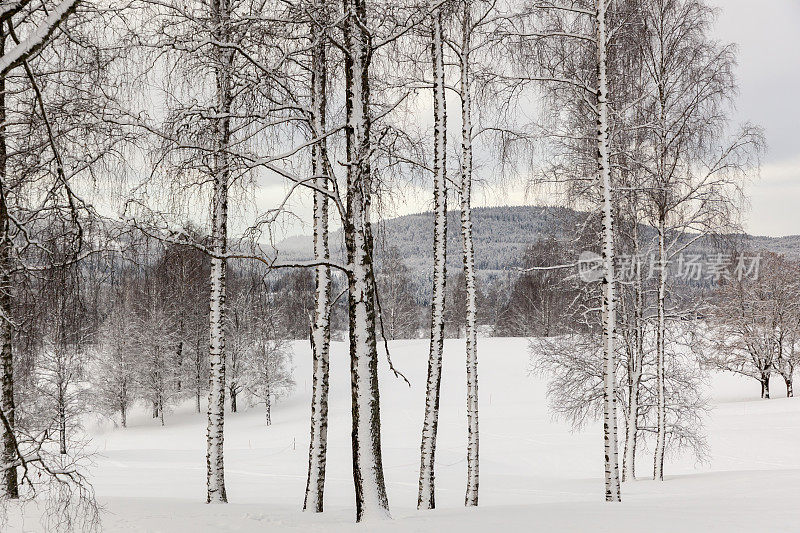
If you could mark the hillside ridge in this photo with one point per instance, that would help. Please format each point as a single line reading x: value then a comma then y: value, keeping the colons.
x: 501, y: 235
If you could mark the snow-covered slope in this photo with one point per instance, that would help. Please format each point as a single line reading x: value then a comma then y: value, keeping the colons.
x: 536, y: 475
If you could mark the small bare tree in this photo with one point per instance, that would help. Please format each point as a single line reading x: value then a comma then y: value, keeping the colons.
x: 114, y: 364
x: 753, y: 327
x: 400, y: 312
x: 269, y: 362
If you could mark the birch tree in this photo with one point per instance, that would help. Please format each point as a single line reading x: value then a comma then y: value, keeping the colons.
x: 608, y: 310
x: 582, y: 29
x: 203, y: 145
x: 221, y: 176
x: 269, y: 362
x: 51, y: 138
x: 187, y: 273
x: 320, y: 328
x: 62, y: 359
x: 371, y: 499
x: 240, y: 333
x: 155, y: 335
x: 426, y: 494
x: 693, y: 172
x: 114, y: 387
x: 633, y: 300
x: 468, y: 26
x: 365, y: 32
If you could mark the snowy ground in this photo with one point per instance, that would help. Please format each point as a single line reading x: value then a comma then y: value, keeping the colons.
x: 536, y: 475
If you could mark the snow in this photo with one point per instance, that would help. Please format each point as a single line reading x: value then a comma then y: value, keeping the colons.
x: 535, y: 473
x: 38, y: 37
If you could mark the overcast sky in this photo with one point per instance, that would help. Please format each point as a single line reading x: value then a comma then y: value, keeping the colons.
x: 767, y: 33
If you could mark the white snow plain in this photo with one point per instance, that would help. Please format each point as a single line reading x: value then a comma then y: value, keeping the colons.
x: 536, y: 474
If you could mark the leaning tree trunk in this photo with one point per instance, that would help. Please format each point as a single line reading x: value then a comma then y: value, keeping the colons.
x: 10, y: 486
x: 371, y: 499
x: 215, y: 469
x: 471, y: 497
x: 608, y: 308
x: 789, y: 389
x: 320, y: 330
x: 426, y: 496
x: 661, y: 428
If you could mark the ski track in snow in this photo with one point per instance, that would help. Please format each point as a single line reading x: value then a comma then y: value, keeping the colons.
x: 536, y: 474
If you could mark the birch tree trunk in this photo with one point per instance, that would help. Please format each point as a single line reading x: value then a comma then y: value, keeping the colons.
x: 198, y: 369
x: 220, y: 12
x: 62, y: 421
x: 10, y: 485
x: 661, y: 430
x: 608, y: 310
x: 320, y: 348
x: 471, y: 497
x: 320, y: 330
x: 371, y: 499
x: 634, y: 373
x: 426, y: 496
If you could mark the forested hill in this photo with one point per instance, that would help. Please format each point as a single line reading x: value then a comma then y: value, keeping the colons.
x: 788, y: 246
x: 501, y: 235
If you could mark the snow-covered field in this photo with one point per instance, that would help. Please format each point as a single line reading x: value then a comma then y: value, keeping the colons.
x: 536, y: 475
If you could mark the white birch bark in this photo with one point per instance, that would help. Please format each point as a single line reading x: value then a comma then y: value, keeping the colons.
x: 216, y: 391
x: 634, y: 372
x: 197, y: 375
x: 38, y: 38
x: 661, y: 431
x: 426, y: 496
x: 320, y: 330
x: 215, y: 470
x: 62, y: 417
x: 471, y: 497
x: 608, y: 310
x: 371, y: 499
